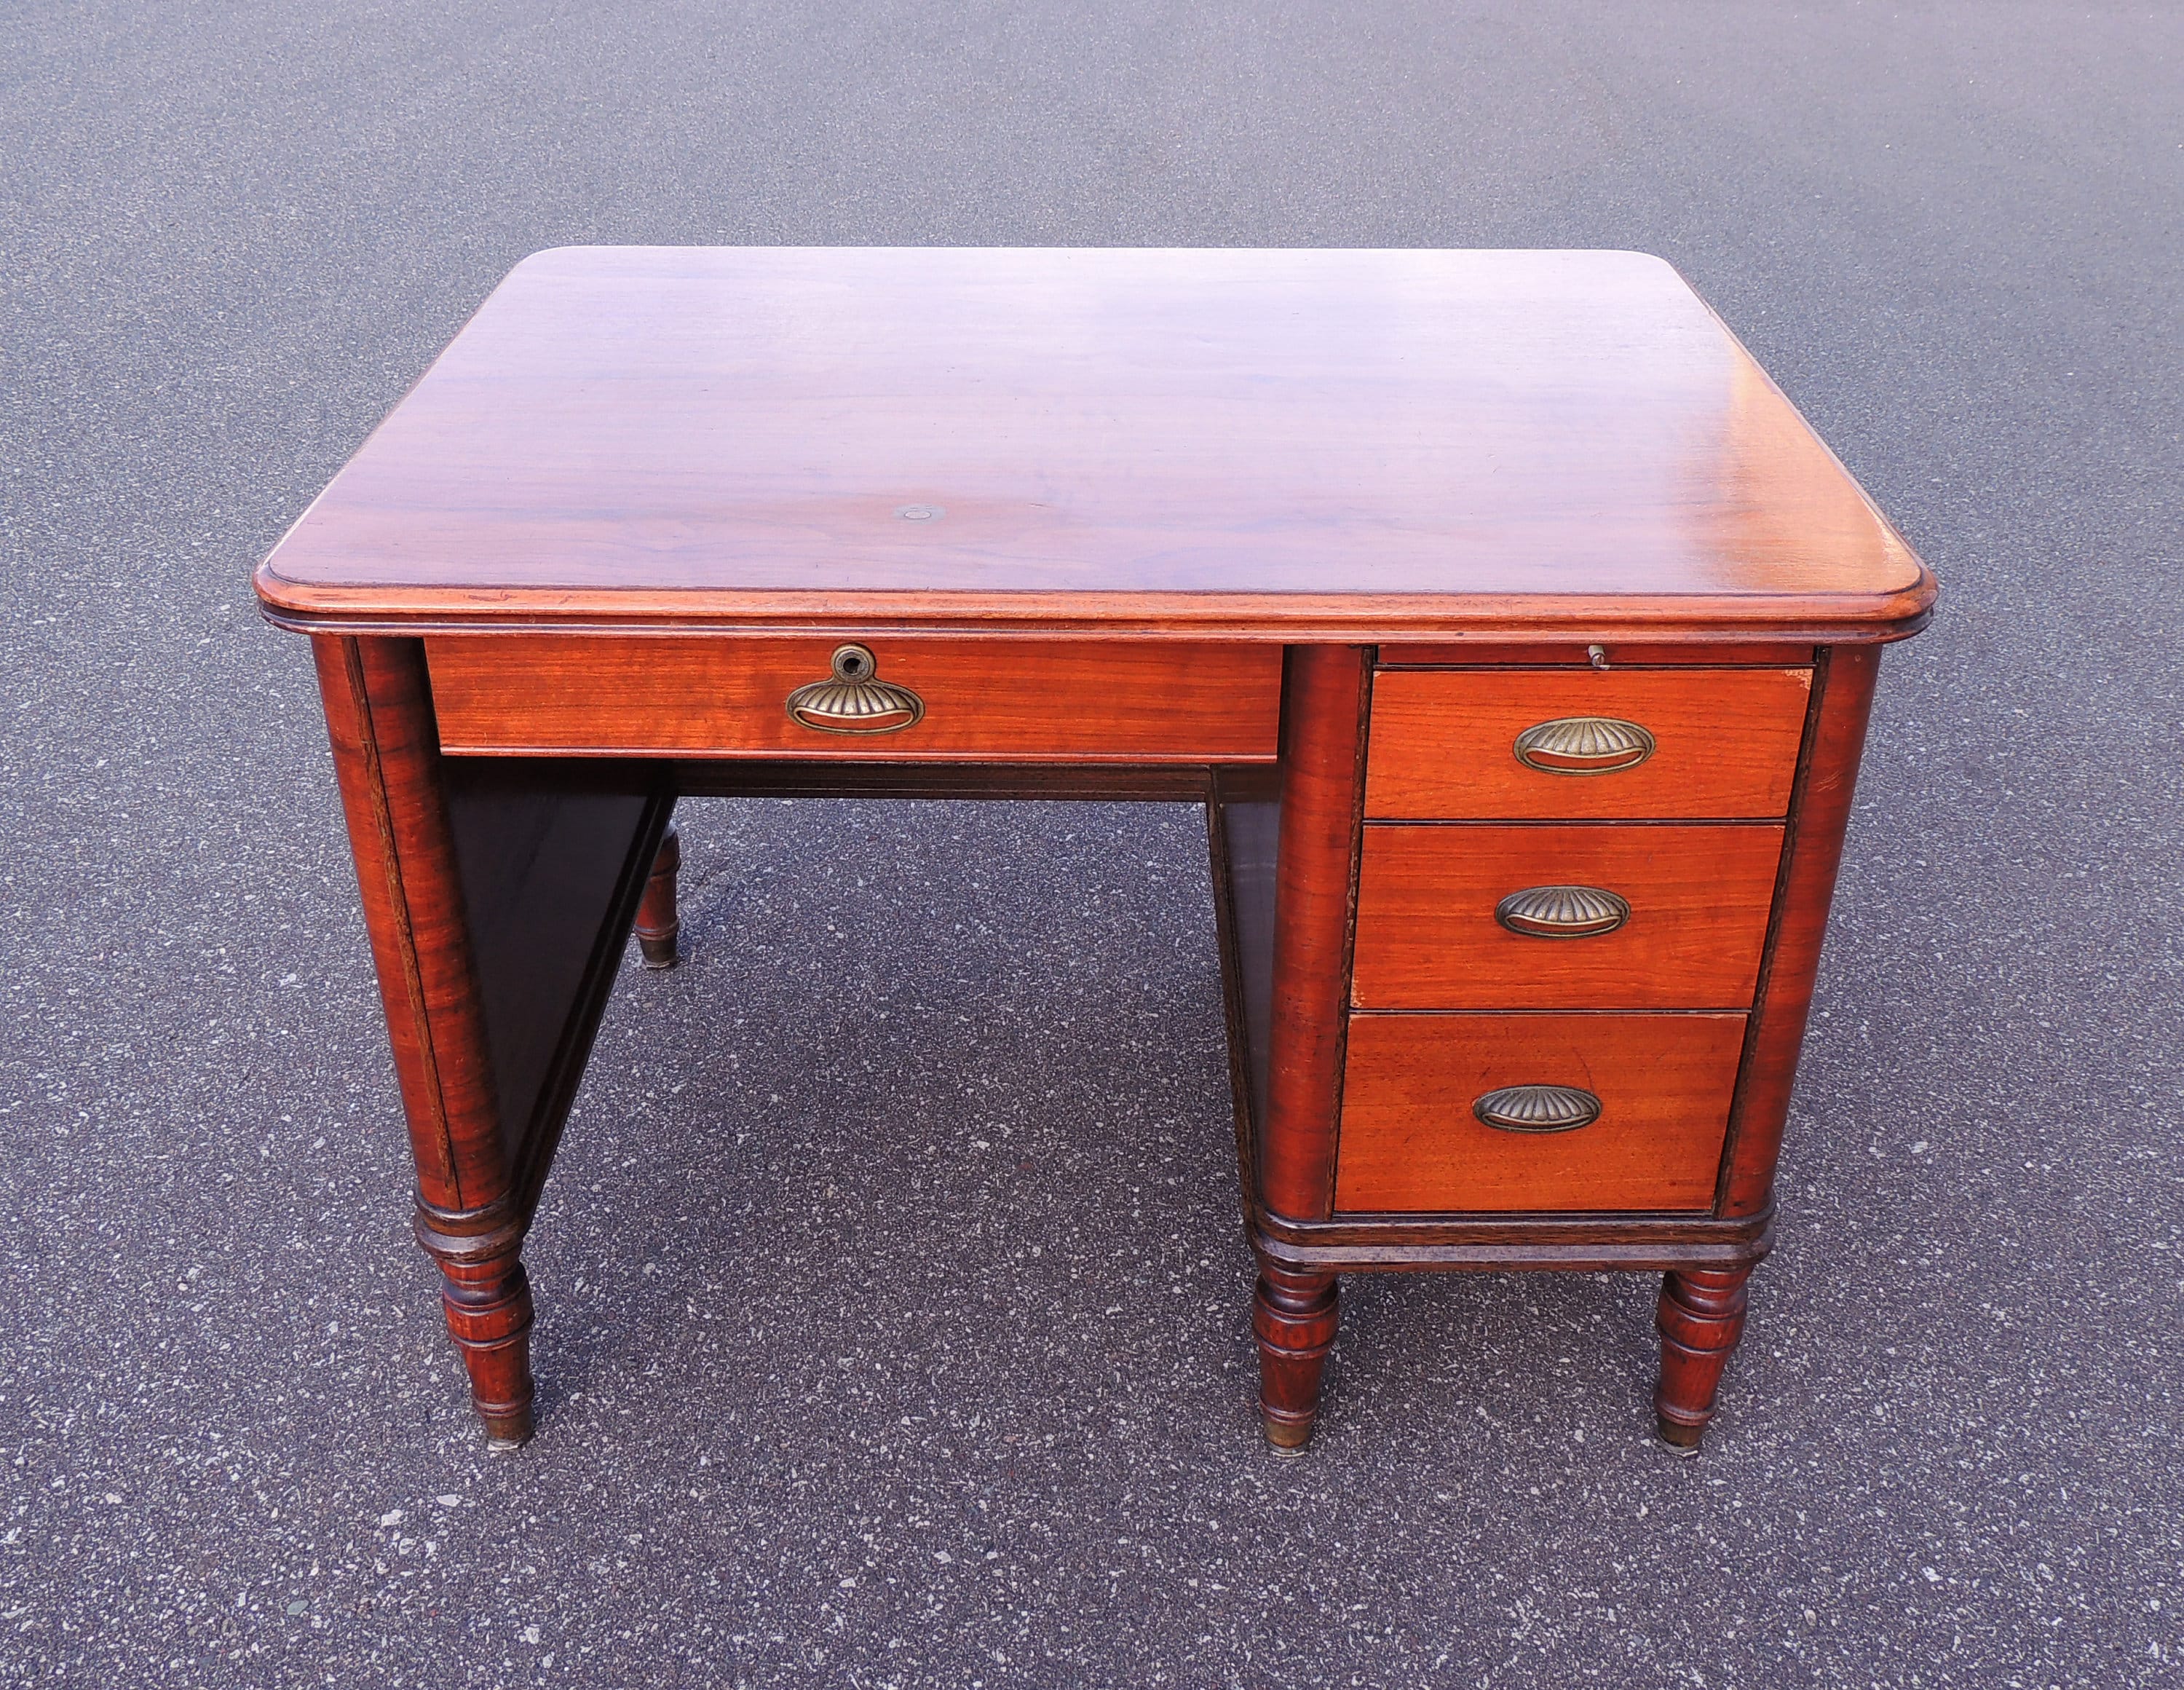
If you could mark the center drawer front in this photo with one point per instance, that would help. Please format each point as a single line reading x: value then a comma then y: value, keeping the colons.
x: 1412, y: 1140
x: 988, y: 700
x: 1725, y: 742
x: 1428, y: 936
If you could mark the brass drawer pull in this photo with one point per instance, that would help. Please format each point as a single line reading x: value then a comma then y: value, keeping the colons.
x: 1538, y: 1108
x: 855, y: 701
x: 1562, y: 911
x: 1583, y: 744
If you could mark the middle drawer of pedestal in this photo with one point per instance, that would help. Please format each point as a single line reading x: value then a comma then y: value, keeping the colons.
x: 1655, y: 915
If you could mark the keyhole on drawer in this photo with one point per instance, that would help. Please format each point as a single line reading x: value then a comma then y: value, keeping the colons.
x: 854, y: 663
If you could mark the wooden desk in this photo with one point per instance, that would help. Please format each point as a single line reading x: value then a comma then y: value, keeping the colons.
x: 1517, y: 634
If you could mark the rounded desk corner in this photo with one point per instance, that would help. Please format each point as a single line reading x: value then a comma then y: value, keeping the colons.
x: 281, y: 601
x: 1639, y: 258
x: 1883, y: 616
x: 1899, y: 615
x: 568, y: 254
x: 299, y: 606
x: 1923, y: 598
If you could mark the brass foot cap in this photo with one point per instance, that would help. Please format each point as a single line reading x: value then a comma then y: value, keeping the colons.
x: 508, y: 1431
x: 1287, y: 1437
x: 661, y: 955
x: 1679, y: 1437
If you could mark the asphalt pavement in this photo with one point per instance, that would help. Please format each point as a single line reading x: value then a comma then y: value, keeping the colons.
x: 839, y: 1386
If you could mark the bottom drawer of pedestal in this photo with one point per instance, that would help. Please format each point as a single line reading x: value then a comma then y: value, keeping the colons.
x: 1553, y: 1112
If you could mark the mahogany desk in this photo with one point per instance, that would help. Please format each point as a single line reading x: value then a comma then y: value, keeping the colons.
x: 1516, y: 632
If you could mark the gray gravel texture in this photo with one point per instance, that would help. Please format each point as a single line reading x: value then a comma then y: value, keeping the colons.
x: 840, y: 1387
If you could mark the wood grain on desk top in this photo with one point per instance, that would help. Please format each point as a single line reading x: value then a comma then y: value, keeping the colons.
x: 1282, y: 443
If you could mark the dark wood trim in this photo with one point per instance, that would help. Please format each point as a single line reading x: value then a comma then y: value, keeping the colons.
x: 379, y: 718
x: 1677, y: 1226
x: 1820, y: 810
x: 1356, y: 848
x: 1502, y: 659
x: 1323, y: 706
x: 1090, y: 783
x: 1572, y: 822
x: 1401, y: 1243
x: 1799, y: 783
x: 1611, y: 1010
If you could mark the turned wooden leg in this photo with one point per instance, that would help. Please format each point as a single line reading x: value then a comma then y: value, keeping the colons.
x: 487, y: 1302
x: 1294, y: 1316
x: 1700, y: 1316
x: 656, y: 921
x: 379, y: 717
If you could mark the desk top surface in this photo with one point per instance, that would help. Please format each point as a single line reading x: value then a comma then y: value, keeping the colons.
x: 1258, y: 443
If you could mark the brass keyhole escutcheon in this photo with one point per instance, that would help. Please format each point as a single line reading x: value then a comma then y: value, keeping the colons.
x: 854, y: 699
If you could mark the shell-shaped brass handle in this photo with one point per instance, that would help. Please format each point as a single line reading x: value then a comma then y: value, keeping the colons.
x: 1583, y: 744
x: 1562, y: 911
x: 854, y: 699
x: 1538, y: 1108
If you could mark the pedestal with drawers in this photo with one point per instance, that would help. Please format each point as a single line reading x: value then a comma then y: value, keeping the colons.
x: 1559, y: 909
x: 1515, y: 633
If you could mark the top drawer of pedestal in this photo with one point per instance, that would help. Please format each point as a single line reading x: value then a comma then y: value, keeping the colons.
x: 1570, y: 745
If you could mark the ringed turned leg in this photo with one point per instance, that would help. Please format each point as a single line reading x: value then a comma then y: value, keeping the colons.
x: 486, y: 1300
x: 657, y: 923
x: 1699, y: 1317
x: 1294, y: 1316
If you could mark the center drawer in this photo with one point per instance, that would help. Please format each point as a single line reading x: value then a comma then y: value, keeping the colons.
x: 876, y: 699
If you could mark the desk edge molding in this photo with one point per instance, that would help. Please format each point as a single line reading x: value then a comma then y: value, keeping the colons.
x: 1287, y: 618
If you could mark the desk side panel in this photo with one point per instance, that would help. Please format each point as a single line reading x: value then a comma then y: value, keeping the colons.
x: 1243, y: 831
x: 554, y: 855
